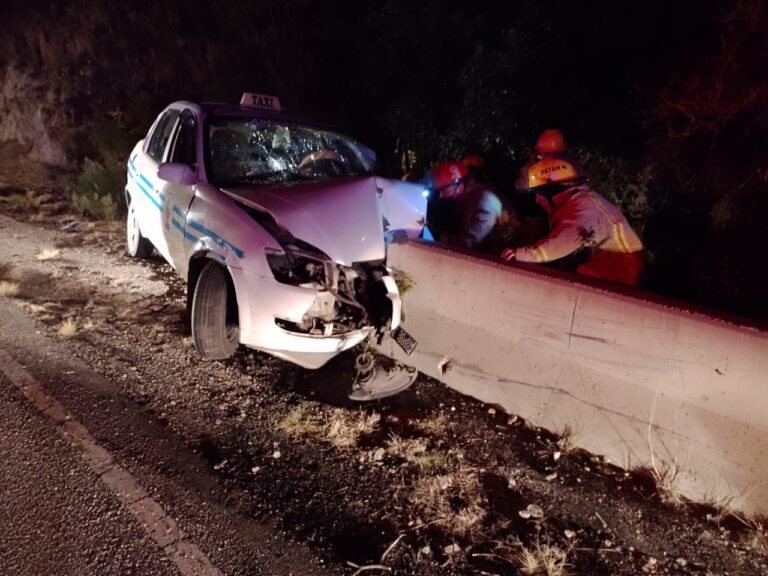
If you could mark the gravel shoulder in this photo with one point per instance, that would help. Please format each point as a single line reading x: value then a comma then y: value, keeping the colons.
x: 428, y: 482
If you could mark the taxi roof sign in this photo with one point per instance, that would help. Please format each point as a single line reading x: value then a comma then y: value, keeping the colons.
x: 261, y: 101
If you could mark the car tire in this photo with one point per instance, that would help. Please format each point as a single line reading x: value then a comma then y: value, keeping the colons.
x: 215, y: 335
x: 136, y: 245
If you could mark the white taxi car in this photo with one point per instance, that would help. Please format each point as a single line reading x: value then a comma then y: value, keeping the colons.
x: 278, y: 225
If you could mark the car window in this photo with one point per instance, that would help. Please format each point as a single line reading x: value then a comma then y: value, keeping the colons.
x: 160, y: 136
x: 257, y: 150
x: 184, y: 149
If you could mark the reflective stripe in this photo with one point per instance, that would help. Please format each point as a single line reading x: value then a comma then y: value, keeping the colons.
x: 540, y: 254
x: 623, y: 237
x: 178, y: 212
x: 618, y: 228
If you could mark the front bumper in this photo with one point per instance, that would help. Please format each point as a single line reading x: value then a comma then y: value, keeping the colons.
x: 262, y: 300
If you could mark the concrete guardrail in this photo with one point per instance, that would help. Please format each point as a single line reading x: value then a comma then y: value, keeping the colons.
x: 641, y: 380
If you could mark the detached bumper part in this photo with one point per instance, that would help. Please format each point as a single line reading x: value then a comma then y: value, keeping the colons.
x: 373, y: 382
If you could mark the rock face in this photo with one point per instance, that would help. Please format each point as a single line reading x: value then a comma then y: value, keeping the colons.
x: 32, y: 116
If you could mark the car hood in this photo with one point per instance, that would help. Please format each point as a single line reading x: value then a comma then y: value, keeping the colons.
x: 343, y: 218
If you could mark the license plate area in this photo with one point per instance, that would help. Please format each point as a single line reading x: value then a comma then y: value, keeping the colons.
x: 404, y: 340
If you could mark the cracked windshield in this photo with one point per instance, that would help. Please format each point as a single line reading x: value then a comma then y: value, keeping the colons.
x: 245, y: 151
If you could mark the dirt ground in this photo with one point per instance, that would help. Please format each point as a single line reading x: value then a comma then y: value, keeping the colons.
x: 426, y: 483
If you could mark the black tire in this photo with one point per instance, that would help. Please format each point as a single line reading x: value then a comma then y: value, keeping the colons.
x: 136, y: 245
x: 214, y: 314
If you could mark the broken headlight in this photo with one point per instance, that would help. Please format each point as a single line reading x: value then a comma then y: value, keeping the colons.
x: 298, y: 263
x: 300, y: 268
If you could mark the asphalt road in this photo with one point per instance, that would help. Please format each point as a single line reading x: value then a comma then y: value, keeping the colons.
x: 90, y: 483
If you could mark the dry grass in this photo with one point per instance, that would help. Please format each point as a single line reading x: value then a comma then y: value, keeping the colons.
x: 40, y: 310
x: 543, y: 560
x: 755, y: 536
x: 409, y: 449
x: 454, y: 501
x: 15, y: 275
x: 48, y: 254
x: 340, y: 427
x: 567, y: 440
x: 416, y: 451
x: 757, y: 539
x: 8, y: 289
x: 68, y: 328
x: 301, y: 423
x: 344, y: 428
x: 667, y: 485
x: 36, y: 309
x: 436, y: 425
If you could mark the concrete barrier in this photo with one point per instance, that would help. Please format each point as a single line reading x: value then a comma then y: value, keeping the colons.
x: 641, y: 380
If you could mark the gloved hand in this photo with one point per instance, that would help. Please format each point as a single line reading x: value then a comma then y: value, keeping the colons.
x: 508, y: 254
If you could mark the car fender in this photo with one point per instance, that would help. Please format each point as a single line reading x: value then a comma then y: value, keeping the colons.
x: 209, y: 248
x: 218, y: 224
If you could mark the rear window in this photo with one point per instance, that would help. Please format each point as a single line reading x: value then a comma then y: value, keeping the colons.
x: 241, y: 151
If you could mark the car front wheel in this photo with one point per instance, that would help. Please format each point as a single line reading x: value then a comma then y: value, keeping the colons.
x: 137, y: 246
x: 214, y: 314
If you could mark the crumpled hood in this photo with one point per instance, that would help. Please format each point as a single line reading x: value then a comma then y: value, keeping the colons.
x: 342, y: 218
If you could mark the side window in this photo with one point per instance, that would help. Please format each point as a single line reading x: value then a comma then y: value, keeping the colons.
x: 161, y: 135
x: 184, y: 148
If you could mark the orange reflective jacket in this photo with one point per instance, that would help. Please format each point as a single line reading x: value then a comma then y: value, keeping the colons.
x: 584, y: 224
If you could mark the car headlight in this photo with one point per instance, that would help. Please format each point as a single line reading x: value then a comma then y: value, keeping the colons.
x: 300, y: 268
x: 298, y: 263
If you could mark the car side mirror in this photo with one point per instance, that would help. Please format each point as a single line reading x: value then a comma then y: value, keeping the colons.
x: 176, y: 173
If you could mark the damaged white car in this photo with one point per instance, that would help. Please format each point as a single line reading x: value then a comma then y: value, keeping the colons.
x: 279, y: 227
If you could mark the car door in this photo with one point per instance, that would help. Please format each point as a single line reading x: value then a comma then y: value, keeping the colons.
x: 178, y: 197
x: 151, y: 197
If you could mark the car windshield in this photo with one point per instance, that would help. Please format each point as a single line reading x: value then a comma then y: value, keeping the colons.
x: 243, y: 151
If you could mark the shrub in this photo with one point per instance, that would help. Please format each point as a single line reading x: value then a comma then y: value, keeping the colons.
x: 97, y: 188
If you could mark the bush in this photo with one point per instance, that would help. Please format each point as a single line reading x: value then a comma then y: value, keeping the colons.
x: 619, y: 182
x: 96, y: 189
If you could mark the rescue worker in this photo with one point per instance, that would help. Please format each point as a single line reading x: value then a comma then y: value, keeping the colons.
x: 466, y: 212
x: 587, y: 234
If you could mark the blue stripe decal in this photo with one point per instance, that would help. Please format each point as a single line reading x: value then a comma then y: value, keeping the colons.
x: 193, y: 238
x: 216, y: 237
x: 148, y: 195
x: 147, y: 182
x: 180, y: 228
x: 178, y: 212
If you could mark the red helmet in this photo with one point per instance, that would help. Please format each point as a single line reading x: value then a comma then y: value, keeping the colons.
x: 550, y: 141
x: 448, y: 172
